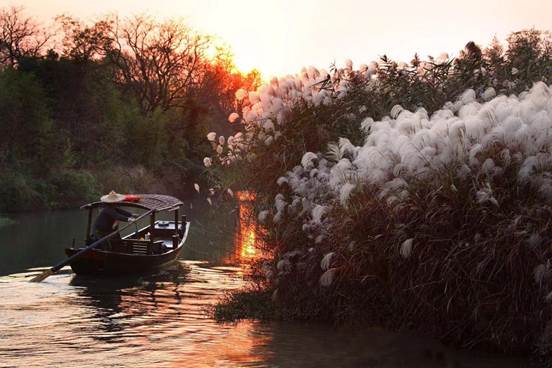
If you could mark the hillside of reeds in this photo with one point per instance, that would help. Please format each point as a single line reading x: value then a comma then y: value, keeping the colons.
x: 412, y: 196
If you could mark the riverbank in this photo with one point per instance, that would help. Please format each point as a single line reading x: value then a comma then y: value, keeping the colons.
x: 71, y: 188
x: 258, y: 305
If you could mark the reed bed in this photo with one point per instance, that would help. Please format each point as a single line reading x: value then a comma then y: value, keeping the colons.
x: 473, y: 276
x: 409, y: 196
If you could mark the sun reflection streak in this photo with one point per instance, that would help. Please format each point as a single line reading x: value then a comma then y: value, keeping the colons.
x: 246, y: 240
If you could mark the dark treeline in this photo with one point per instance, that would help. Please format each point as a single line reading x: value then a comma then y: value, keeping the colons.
x: 111, y: 104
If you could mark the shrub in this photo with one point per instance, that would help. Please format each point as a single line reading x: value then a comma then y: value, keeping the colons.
x: 25, y: 126
x: 72, y: 188
x: 16, y: 193
x: 244, y: 304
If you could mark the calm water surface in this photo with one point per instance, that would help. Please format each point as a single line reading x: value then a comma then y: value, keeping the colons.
x: 162, y: 320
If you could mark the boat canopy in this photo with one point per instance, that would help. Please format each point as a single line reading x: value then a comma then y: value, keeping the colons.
x: 156, y: 202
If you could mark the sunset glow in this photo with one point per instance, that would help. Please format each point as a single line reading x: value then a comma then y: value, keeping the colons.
x: 242, y: 28
x: 246, y: 240
x: 281, y: 36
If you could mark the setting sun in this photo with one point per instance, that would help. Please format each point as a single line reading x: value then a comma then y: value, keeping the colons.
x: 243, y: 26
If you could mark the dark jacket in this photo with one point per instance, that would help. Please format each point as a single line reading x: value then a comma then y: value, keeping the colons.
x: 105, y: 221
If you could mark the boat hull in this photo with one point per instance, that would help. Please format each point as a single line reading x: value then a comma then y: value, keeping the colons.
x: 101, y: 262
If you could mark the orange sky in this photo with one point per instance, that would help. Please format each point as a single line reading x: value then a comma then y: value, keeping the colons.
x: 281, y: 36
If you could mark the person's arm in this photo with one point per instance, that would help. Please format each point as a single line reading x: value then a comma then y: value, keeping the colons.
x: 129, y: 216
x: 119, y: 214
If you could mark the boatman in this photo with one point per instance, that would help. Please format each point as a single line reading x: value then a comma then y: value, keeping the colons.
x: 107, y: 220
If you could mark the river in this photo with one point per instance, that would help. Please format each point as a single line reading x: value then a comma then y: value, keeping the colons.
x: 163, y: 320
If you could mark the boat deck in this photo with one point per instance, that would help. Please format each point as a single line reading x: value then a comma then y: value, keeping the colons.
x: 162, y: 239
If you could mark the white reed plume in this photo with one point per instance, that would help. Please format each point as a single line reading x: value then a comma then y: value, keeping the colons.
x: 233, y: 117
x: 327, y: 277
x: 326, y: 261
x: 406, y: 248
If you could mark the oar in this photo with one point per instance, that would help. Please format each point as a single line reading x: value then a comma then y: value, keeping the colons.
x: 60, y: 265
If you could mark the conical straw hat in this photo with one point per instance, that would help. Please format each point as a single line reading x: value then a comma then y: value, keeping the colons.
x: 112, y: 197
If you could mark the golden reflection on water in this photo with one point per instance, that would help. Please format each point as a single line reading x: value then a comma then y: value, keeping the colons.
x: 156, y: 320
x: 246, y: 238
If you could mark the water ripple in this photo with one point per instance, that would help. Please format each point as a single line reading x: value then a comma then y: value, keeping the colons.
x: 162, y: 321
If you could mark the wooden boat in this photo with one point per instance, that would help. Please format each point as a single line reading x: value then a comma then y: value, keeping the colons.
x: 142, y: 251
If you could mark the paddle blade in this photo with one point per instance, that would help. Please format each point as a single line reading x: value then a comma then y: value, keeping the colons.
x: 42, y: 276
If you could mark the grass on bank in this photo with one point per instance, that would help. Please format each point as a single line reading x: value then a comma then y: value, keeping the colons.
x: 250, y: 303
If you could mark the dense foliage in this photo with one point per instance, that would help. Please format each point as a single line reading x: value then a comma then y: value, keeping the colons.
x: 409, y: 195
x: 113, y: 104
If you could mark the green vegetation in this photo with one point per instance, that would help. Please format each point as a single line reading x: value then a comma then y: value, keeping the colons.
x: 114, y: 104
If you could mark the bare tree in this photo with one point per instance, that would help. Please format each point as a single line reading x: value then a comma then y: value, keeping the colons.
x: 20, y: 36
x: 82, y: 42
x: 161, y: 63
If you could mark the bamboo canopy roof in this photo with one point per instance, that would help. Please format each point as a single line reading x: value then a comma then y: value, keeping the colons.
x: 157, y: 202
